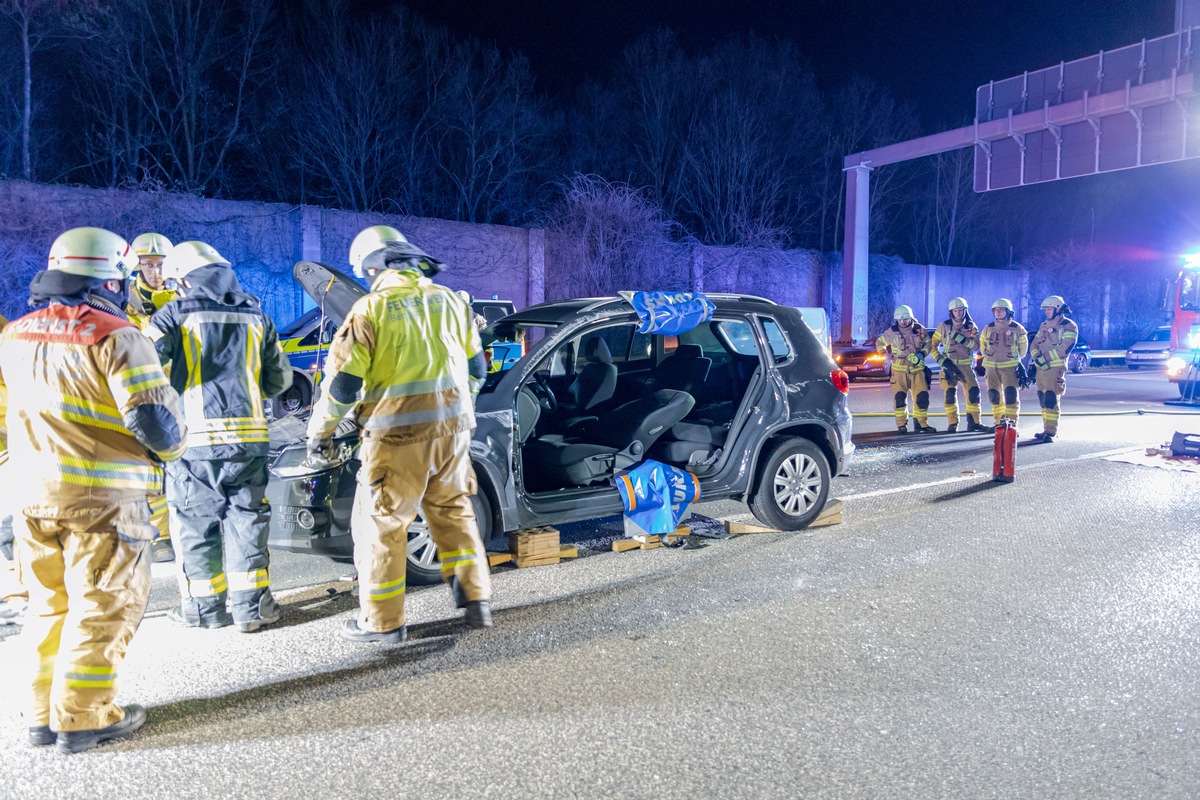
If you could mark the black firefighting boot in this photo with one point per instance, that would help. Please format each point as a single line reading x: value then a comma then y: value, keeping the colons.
x: 919, y: 428
x: 78, y: 741
x: 952, y: 427
x: 478, y: 614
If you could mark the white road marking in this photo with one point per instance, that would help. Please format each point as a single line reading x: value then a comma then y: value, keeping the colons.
x: 979, y: 476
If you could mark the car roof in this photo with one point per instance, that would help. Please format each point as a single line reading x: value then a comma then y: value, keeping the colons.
x: 561, y: 311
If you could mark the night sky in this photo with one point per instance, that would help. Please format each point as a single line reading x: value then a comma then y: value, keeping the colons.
x: 932, y: 53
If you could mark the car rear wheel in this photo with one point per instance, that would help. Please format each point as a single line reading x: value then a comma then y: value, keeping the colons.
x: 423, y: 565
x: 793, y: 486
x: 296, y: 400
x: 1133, y: 366
x: 1078, y: 364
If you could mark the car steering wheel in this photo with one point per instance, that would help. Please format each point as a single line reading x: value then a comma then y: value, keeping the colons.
x: 545, y: 395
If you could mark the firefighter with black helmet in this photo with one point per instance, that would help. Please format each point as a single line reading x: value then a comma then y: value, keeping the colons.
x: 1052, y: 344
x: 91, y: 418
x: 955, y: 341
x: 1003, y: 343
x: 908, y: 343
x: 408, y: 356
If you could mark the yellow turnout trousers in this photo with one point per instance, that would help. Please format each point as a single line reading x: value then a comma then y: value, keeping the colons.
x: 1004, y: 392
x: 159, y: 516
x: 396, y: 482
x: 1051, y: 386
x: 89, y: 580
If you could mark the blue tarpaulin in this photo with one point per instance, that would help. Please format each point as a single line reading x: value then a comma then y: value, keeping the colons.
x: 671, y: 313
x: 656, y: 495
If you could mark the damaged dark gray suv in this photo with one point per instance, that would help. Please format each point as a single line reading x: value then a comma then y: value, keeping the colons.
x: 748, y: 401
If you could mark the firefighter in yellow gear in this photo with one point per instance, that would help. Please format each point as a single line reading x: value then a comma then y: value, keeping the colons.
x: 90, y: 416
x: 1003, y: 343
x: 13, y: 596
x: 955, y: 341
x: 908, y: 343
x: 409, y: 357
x: 147, y: 295
x: 1052, y: 344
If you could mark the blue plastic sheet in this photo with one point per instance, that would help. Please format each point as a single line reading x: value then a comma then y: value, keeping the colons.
x: 656, y: 495
x: 671, y: 313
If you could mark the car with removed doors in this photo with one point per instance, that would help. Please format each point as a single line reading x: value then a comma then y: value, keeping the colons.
x: 749, y: 402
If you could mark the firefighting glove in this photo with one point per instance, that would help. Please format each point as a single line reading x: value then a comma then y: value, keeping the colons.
x: 914, y: 359
x: 951, y: 371
x: 1039, y: 362
x: 321, y: 450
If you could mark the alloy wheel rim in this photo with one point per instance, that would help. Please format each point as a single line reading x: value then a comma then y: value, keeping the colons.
x: 797, y: 485
x: 421, y: 549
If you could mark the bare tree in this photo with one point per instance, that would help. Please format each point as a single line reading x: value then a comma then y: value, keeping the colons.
x: 947, y: 214
x: 613, y: 239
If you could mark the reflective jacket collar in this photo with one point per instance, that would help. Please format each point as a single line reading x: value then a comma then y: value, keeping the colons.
x: 399, y: 279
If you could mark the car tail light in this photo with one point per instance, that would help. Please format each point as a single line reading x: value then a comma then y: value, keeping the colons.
x: 841, y: 381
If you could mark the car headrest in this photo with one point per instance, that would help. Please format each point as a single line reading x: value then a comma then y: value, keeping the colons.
x: 596, y: 349
x: 688, y: 351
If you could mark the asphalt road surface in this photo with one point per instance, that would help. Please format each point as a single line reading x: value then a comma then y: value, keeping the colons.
x: 953, y: 637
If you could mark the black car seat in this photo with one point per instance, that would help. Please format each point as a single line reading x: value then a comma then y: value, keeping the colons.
x: 691, y: 443
x: 685, y: 370
x: 600, y: 449
x: 597, y: 381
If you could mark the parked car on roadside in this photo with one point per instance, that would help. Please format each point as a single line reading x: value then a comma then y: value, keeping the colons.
x: 748, y: 402
x: 1152, y: 350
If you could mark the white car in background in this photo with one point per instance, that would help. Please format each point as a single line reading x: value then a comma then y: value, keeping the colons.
x: 1151, y: 351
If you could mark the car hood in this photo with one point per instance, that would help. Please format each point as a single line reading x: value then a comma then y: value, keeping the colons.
x: 335, y: 292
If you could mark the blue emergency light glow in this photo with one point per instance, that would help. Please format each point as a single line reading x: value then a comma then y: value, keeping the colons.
x: 1192, y: 260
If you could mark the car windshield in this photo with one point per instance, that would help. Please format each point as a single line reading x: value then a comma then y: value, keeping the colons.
x: 505, y: 345
x: 299, y: 324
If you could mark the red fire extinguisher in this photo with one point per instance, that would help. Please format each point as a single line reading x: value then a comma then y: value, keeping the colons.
x: 1004, y: 453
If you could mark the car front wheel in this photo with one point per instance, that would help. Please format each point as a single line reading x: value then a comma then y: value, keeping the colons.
x: 423, y: 565
x: 793, y: 486
x: 1078, y: 364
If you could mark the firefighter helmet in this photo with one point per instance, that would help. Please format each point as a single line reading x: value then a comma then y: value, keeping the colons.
x: 188, y: 256
x: 1053, y: 301
x: 958, y: 302
x: 368, y: 241
x: 1004, y: 303
x: 151, y: 244
x: 902, y: 312
x: 92, y: 253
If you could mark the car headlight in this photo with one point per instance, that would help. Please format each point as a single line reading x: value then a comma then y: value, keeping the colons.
x: 1175, y: 364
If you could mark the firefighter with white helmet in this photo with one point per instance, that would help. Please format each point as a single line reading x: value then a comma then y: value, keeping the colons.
x: 955, y: 341
x: 1003, y: 343
x: 226, y: 361
x: 412, y: 351
x: 1052, y: 344
x: 908, y: 342
x: 91, y: 415
x: 147, y: 295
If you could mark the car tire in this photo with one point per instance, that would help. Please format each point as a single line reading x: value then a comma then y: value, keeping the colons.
x: 1189, y: 390
x: 792, y: 485
x: 423, y: 566
x: 1133, y: 366
x: 296, y: 400
x: 1078, y: 365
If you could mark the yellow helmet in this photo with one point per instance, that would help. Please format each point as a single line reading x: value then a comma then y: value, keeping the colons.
x: 1004, y: 303
x: 902, y: 312
x: 187, y: 256
x: 92, y: 253
x: 151, y: 244
x: 368, y: 241
x: 1053, y: 301
x: 958, y: 302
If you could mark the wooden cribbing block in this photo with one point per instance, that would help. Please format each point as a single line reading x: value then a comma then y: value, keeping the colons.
x: 568, y: 551
x: 832, y: 514
x: 496, y: 559
x: 535, y: 547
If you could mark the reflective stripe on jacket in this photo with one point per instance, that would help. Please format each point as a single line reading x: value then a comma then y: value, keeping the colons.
x: 1003, y: 344
x: 75, y: 375
x: 901, y: 343
x: 409, y: 340
x: 225, y: 361
x: 1054, y: 340
x: 956, y: 341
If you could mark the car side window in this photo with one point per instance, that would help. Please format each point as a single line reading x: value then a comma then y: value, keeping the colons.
x: 781, y: 348
x: 740, y: 336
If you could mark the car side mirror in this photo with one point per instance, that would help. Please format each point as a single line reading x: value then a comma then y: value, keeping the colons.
x: 327, y: 335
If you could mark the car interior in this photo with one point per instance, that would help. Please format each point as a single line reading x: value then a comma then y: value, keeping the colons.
x: 611, y: 397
